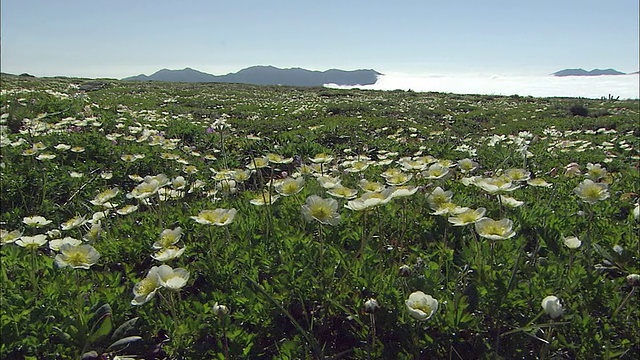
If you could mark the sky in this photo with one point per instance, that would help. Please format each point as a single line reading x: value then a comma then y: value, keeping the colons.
x: 120, y: 38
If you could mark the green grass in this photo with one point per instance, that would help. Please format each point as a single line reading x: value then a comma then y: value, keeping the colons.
x: 296, y: 288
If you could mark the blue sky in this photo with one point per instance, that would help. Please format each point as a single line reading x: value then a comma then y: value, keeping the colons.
x: 96, y: 38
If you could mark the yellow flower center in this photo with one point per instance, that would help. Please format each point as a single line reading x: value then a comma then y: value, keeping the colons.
x: 423, y: 307
x: 145, y: 286
x: 494, y: 229
x: 592, y: 192
x: 468, y: 217
x: 320, y: 211
x: 76, y: 258
x: 290, y: 187
x: 371, y: 187
x: 439, y: 199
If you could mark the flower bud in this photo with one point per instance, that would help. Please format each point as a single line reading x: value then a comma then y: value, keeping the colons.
x: 572, y: 242
x: 220, y: 310
x: 404, y: 270
x: 371, y: 305
x: 54, y: 234
x: 633, y: 280
x: 552, y: 307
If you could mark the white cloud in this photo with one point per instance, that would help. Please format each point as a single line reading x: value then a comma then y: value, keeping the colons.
x: 624, y: 86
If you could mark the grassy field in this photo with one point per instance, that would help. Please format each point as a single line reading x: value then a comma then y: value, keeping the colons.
x: 159, y: 220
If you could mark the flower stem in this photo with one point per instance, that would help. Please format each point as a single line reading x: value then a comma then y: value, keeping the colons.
x: 225, y: 341
x: 372, y: 333
x: 321, y: 238
x: 363, y: 238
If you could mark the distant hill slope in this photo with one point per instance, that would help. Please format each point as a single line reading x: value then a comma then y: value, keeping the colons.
x: 583, y: 72
x: 267, y: 75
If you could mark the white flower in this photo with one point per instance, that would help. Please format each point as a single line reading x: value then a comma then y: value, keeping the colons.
x: 517, y: 174
x: 510, y: 202
x: 77, y: 256
x: 572, y: 242
x: 438, y: 197
x: 45, y: 156
x: 466, y: 181
x: 495, y: 229
x: 321, y: 158
x: 218, y: 217
x: 94, y: 231
x: 403, y: 191
x: 591, y: 192
x: 73, y: 223
x: 539, y: 182
x: 178, y: 183
x: 258, y: 163
x: 552, y: 307
x: 370, y: 186
x: 289, y: 186
x: 370, y: 200
x: 105, y: 196
x: 278, y: 159
x: 398, y: 179
x: 147, y: 188
x: 145, y: 290
x: 323, y: 210
x: 8, y: 237
x: 496, y: 184
x: 421, y: 306
x: 468, y: 217
x: 343, y: 192
x: 328, y: 182
x: 32, y: 241
x: 127, y: 209
x: 595, y: 171
x: 172, y: 279
x: 436, y: 171
x: 467, y: 165
x: 227, y: 187
x: 36, y: 221
x: 168, y: 237
x: 168, y: 253
x: 264, y: 198
x: 57, y: 243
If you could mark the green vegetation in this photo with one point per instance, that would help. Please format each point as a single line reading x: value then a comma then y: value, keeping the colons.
x: 165, y: 220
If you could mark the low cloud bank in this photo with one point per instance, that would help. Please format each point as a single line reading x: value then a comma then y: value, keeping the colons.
x: 595, y: 87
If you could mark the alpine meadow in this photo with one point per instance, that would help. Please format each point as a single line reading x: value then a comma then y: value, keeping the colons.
x: 223, y: 221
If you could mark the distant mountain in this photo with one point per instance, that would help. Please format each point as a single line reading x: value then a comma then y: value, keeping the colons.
x: 583, y: 72
x: 267, y: 75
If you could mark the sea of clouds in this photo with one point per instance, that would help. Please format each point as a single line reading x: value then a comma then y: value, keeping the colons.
x: 594, y: 87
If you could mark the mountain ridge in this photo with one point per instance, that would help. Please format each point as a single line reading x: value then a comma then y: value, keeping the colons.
x: 583, y: 72
x: 267, y: 75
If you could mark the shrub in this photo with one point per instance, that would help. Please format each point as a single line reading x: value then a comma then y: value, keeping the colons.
x: 579, y: 110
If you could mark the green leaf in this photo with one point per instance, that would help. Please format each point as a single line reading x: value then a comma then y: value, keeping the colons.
x: 124, y: 328
x: 124, y: 342
x: 102, y: 325
x: 64, y: 336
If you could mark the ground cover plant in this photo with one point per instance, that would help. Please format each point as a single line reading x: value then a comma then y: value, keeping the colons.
x: 158, y: 220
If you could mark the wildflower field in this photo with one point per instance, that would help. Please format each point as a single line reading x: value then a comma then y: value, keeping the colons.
x: 219, y: 221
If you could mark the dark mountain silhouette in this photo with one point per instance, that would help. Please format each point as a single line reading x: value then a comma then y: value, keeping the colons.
x: 267, y: 75
x: 583, y: 72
